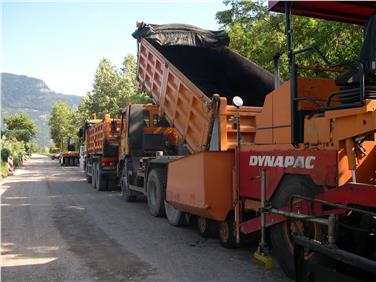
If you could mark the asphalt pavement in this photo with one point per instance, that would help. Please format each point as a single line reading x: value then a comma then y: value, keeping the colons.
x: 56, y: 227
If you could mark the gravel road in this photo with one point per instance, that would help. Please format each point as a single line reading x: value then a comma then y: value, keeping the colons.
x: 56, y: 227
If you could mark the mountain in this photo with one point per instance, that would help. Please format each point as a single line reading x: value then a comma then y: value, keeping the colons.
x: 23, y: 94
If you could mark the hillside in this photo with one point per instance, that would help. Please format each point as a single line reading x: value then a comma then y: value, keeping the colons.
x: 23, y: 94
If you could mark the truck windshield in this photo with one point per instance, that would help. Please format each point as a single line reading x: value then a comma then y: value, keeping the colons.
x: 71, y: 145
x: 146, y: 118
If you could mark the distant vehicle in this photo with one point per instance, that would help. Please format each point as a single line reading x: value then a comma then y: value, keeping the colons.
x: 70, y: 154
x: 55, y: 153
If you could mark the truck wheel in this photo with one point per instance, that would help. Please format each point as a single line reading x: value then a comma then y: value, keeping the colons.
x: 227, y: 232
x: 94, y: 175
x: 206, y: 227
x: 127, y: 194
x: 281, y: 234
x: 156, y: 191
x: 101, y: 182
x: 174, y: 216
x: 89, y: 178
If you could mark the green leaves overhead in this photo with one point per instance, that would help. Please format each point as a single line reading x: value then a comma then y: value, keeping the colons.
x: 258, y: 35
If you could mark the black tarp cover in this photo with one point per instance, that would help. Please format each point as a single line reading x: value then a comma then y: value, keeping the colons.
x: 181, y: 34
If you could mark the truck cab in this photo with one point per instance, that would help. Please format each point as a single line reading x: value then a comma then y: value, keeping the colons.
x: 145, y: 138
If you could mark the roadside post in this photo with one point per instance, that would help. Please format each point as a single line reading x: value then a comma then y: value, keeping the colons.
x: 10, y: 165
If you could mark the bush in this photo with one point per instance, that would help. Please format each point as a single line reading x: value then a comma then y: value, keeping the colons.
x: 4, y: 170
x: 11, y: 147
x: 15, y: 160
x: 5, y: 152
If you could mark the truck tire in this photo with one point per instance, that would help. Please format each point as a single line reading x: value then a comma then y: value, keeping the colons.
x: 227, y: 233
x: 206, y: 227
x: 174, y: 216
x: 89, y: 178
x: 126, y: 193
x: 94, y: 175
x: 156, y: 191
x: 102, y: 180
x: 280, y: 234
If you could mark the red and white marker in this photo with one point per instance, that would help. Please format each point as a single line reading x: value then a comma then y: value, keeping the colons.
x: 10, y: 164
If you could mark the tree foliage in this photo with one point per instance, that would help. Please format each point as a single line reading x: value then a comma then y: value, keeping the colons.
x: 113, y: 89
x: 258, y: 35
x: 20, y: 127
x: 61, y: 122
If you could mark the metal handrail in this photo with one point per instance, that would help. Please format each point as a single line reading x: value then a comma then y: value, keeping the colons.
x: 360, y: 68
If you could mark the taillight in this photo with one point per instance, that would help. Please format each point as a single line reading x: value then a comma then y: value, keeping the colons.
x: 107, y: 164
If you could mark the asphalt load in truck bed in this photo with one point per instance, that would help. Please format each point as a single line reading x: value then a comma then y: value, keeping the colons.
x: 221, y: 71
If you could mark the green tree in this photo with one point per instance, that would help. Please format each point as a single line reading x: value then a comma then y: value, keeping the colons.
x: 105, y: 89
x: 129, y: 88
x: 83, y: 112
x: 20, y: 127
x: 113, y: 89
x: 258, y: 35
x: 61, y: 122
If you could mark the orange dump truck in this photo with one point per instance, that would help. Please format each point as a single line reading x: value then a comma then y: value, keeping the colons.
x: 101, y: 139
x: 297, y: 160
x: 191, y: 83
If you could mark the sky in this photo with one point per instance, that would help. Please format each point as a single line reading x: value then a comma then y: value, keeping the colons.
x: 63, y: 42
